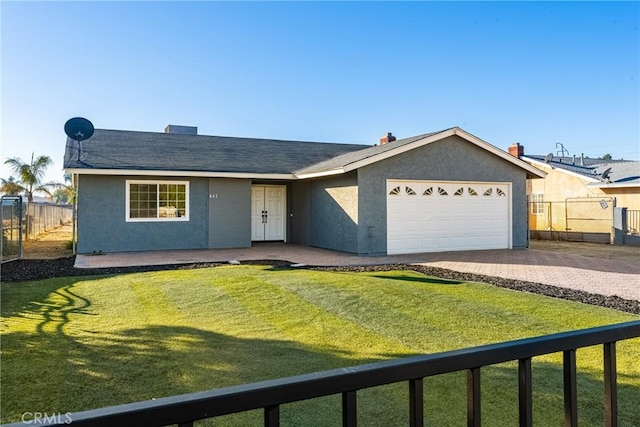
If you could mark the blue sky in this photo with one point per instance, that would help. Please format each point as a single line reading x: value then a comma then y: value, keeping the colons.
x: 532, y: 72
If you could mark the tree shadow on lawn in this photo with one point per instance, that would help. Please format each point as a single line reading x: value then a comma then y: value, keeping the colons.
x: 53, y: 372
x: 51, y: 365
x: 57, y: 372
x: 32, y: 300
x: 404, y: 277
x: 425, y: 280
x: 59, y: 368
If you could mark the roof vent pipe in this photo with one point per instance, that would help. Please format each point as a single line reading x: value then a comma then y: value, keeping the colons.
x: 574, y: 160
x: 582, y: 159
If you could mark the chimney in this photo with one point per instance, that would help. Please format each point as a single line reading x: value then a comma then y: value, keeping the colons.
x: 181, y: 130
x: 582, y: 159
x: 516, y: 150
x: 387, y: 138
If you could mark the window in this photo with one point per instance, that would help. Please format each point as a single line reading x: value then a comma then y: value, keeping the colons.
x: 410, y: 191
x: 428, y: 191
x: 459, y: 192
x: 537, y: 205
x: 395, y: 191
x: 157, y: 201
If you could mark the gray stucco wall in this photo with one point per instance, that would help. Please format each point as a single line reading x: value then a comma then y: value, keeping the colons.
x: 299, y: 223
x: 451, y: 159
x: 229, y: 213
x: 102, y: 225
x: 333, y: 215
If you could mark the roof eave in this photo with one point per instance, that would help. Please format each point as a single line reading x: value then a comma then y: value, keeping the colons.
x: 174, y: 173
x: 319, y: 174
x: 605, y: 185
x: 532, y: 171
x: 568, y: 172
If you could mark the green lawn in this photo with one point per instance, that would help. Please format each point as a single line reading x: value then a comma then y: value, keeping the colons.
x: 73, y: 344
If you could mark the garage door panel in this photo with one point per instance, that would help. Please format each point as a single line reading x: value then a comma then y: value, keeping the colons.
x: 411, y: 226
x: 430, y: 216
x: 394, y: 228
x: 394, y: 246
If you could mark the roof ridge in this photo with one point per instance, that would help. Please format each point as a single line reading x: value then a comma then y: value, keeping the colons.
x: 232, y: 137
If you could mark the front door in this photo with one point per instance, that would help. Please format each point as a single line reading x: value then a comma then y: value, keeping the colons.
x: 267, y: 212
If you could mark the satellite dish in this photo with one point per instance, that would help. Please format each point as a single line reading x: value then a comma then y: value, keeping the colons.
x: 78, y: 129
x: 605, y: 174
x: 548, y: 158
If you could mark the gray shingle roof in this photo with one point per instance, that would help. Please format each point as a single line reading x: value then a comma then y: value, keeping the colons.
x: 566, y: 163
x: 115, y: 149
x: 627, y: 172
x: 172, y: 152
x: 356, y: 156
x: 622, y: 171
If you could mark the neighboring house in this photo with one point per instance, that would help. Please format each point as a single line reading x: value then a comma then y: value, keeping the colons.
x: 576, y: 197
x: 440, y: 191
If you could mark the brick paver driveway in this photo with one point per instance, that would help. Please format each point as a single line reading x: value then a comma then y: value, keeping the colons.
x: 594, y: 275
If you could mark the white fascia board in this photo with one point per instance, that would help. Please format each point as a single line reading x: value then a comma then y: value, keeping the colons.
x: 500, y: 153
x: 199, y: 174
x: 441, y: 135
x: 545, y: 165
x: 399, y: 150
x: 320, y: 174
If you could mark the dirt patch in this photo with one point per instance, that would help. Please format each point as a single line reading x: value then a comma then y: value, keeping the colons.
x: 50, y: 245
x: 595, y: 250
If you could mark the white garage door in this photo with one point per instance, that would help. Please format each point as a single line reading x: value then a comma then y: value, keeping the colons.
x: 434, y: 216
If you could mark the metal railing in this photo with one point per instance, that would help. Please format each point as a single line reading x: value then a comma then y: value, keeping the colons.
x: 633, y: 222
x: 270, y: 395
x: 11, y: 217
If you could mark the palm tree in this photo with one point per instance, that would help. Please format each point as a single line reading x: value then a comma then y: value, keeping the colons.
x: 10, y: 187
x: 65, y: 193
x: 30, y: 175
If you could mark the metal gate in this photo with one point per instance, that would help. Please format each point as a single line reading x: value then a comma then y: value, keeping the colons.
x: 589, y: 219
x: 12, y: 219
x: 584, y: 219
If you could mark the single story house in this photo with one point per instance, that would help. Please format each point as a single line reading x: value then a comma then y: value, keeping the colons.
x: 579, y: 193
x: 441, y: 191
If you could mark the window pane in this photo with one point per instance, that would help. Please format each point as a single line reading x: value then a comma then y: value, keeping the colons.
x: 157, y: 200
x: 172, y: 200
x: 142, y: 201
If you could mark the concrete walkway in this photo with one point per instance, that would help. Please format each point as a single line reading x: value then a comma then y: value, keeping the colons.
x: 594, y: 275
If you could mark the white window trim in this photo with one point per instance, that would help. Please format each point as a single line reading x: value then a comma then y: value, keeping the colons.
x: 156, y: 182
x: 537, y: 206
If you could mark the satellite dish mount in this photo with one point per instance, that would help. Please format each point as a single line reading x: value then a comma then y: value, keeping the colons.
x: 79, y: 129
